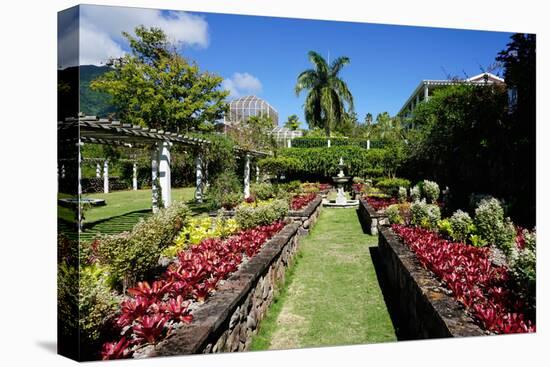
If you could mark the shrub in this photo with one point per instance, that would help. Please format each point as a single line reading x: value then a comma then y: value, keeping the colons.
x: 444, y: 228
x: 523, y: 266
x: 415, y: 193
x: 431, y: 191
x: 425, y: 215
x: 249, y: 217
x: 226, y: 191
x: 277, y: 166
x: 461, y: 226
x: 134, y: 255
x: 97, y: 302
x: 491, y: 226
x: 402, y: 194
x: 262, y: 190
x: 393, y: 214
x: 391, y: 185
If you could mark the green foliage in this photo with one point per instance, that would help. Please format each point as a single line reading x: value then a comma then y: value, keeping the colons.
x: 198, y: 229
x: 262, y: 190
x: 293, y: 122
x: 425, y: 215
x: 461, y: 226
x: 445, y: 228
x: 393, y: 214
x: 416, y: 193
x: 391, y: 185
x: 67, y: 300
x: 249, y: 217
x: 97, y: 302
x: 226, y: 191
x: 319, y: 142
x: 156, y: 87
x: 254, y: 133
x: 524, y: 266
x: 279, y: 165
x: 327, y: 93
x: 323, y: 162
x: 489, y: 220
x: 134, y: 255
x: 430, y: 190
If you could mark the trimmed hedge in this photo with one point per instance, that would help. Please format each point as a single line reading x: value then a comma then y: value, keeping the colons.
x: 318, y: 142
x: 323, y: 162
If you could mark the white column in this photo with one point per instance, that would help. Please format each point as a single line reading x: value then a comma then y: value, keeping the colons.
x: 134, y: 176
x: 328, y: 143
x: 198, y: 186
x: 106, y: 176
x: 164, y: 174
x: 426, y: 92
x: 154, y: 178
x: 98, y: 170
x: 368, y: 144
x: 247, y: 176
x: 257, y: 173
x: 289, y: 143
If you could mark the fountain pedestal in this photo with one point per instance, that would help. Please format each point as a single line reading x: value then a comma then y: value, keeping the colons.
x: 340, y: 180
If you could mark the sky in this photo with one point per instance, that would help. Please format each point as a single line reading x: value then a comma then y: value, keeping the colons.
x: 264, y: 55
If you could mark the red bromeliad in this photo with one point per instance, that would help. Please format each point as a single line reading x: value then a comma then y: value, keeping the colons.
x: 148, y: 314
x: 300, y: 201
x: 473, y: 279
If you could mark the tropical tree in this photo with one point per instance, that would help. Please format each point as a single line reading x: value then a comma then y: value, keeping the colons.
x: 328, y: 94
x: 155, y: 86
x: 293, y: 122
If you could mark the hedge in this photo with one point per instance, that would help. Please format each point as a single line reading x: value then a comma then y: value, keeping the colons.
x: 323, y: 162
x: 318, y: 142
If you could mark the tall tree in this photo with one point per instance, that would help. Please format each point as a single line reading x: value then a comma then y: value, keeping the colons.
x: 327, y: 95
x: 155, y: 86
x: 293, y: 122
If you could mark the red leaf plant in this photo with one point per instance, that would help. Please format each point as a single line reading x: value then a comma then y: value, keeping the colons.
x: 380, y: 203
x: 147, y: 315
x: 474, y: 281
x: 300, y: 201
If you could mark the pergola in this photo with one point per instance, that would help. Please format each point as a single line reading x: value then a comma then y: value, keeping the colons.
x: 90, y: 129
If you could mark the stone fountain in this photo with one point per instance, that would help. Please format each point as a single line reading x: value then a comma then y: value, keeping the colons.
x: 340, y: 180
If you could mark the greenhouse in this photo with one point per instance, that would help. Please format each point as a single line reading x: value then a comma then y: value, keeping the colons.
x: 242, y: 108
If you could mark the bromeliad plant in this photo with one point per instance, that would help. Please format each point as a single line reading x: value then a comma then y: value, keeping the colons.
x: 483, y: 288
x: 152, y: 310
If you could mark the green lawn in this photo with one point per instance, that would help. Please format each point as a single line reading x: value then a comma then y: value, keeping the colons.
x: 332, y: 295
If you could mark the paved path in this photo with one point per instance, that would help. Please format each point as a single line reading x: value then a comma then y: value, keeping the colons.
x: 332, y: 295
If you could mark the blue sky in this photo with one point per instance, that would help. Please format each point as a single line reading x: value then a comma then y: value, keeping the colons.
x: 264, y: 55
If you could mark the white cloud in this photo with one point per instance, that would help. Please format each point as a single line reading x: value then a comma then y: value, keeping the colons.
x: 242, y: 84
x: 101, y: 30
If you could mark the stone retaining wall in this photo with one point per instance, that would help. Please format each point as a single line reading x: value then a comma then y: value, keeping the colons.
x: 229, y: 318
x: 307, y: 216
x: 371, y: 218
x: 424, y: 308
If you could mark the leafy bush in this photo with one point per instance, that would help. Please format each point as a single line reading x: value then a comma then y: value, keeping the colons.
x: 492, y: 227
x: 97, y: 302
x: 226, y: 191
x: 430, y: 191
x: 262, y: 190
x: 249, y: 217
x: 134, y: 255
x: 523, y: 265
x: 461, y: 225
x: 402, y: 194
x: 444, y: 228
x: 415, y: 193
x: 393, y: 214
x: 391, y: 185
x: 277, y: 166
x: 425, y: 215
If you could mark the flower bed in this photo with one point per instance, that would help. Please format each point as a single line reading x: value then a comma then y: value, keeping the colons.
x: 308, y: 213
x: 371, y: 217
x: 380, y: 203
x: 154, y: 310
x: 474, y: 281
x: 300, y: 201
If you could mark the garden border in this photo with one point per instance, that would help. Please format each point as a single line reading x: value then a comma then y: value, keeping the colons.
x: 371, y: 217
x: 229, y: 318
x: 306, y: 217
x: 425, y: 310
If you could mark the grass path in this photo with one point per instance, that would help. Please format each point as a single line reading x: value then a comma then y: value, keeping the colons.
x: 332, y: 295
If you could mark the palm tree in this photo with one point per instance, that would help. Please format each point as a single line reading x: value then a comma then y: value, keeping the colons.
x: 327, y: 92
